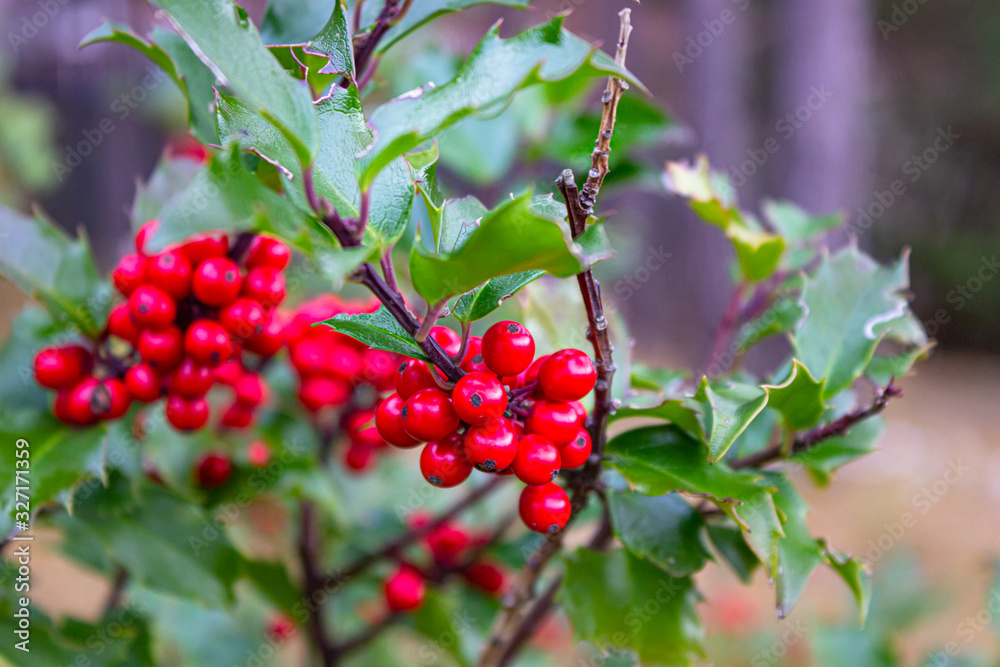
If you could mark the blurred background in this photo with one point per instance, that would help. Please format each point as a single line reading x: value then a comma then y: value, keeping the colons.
x: 888, y: 112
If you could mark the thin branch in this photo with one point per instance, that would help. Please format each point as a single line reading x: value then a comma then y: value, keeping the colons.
x: 366, y: 44
x: 728, y: 323
x: 460, y: 356
x: 820, y: 434
x: 309, y: 549
x: 118, y: 585
x: 430, y: 319
x: 531, y: 622
x: 366, y: 635
x: 389, y: 271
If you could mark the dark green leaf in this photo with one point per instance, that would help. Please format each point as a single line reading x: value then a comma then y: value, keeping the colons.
x: 727, y: 538
x: 799, y: 553
x: 482, y: 301
x: 457, y: 220
x: 621, y: 602
x: 781, y: 317
x: 665, y: 380
x: 334, y: 42
x: 436, y: 620
x: 728, y: 407
x: 31, y: 330
x: 379, y: 330
x: 799, y: 398
x: 666, y: 530
x: 199, y: 85
x: 685, y: 413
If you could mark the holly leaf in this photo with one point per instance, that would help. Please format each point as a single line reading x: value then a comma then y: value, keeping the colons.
x: 685, y: 413
x: 727, y: 538
x: 57, y: 271
x: 666, y: 530
x: 757, y: 251
x: 425, y: 11
x: 334, y: 42
x: 799, y: 553
x: 849, y: 303
x: 288, y: 22
x: 603, y: 594
x: 378, y: 330
x: 728, y: 408
x: 229, y: 45
x: 32, y: 329
x: 824, y: 457
x: 495, y: 70
x: 483, y: 300
x: 858, y: 578
x: 496, y: 247
x: 457, y: 220
x: 795, y: 224
x: 799, y: 398
x: 781, y: 317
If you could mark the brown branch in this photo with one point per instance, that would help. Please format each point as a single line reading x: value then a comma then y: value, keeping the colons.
x: 118, y: 585
x: 820, y: 434
x: 366, y: 44
x: 309, y: 549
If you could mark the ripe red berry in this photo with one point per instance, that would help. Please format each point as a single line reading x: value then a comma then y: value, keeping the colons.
x: 479, y: 398
x: 267, y: 251
x: 389, y: 423
x: 80, y: 403
x: 531, y: 375
x: 163, y: 350
x: 309, y: 357
x: 378, y: 368
x: 258, y: 454
x: 251, y: 390
x: 187, y: 414
x: 237, y: 415
x: 356, y: 425
x: 216, y: 281
x: 555, y: 420
x: 428, y: 415
x: 171, y: 272
x: 537, y: 461
x: 191, y: 379
x: 61, y: 367
x: 412, y: 376
x: 508, y: 348
x: 213, y: 470
x: 319, y: 392
x: 576, y: 452
x: 544, y: 509
x: 447, y: 542
x: 117, y: 396
x: 143, y: 383
x: 208, y: 343
x: 266, y: 285
x: 229, y: 372
x: 280, y: 627
x: 144, y: 234
x: 405, y: 589
x: 443, y: 463
x: 60, y: 407
x: 491, y: 447
x: 151, y: 307
x: 199, y: 247
x: 359, y: 457
x: 448, y: 339
x: 567, y: 375
x: 473, y: 361
x: 344, y: 361
x: 581, y: 412
x: 129, y: 274
x: 120, y: 324
x: 266, y: 343
x: 243, y: 318
x: 487, y: 577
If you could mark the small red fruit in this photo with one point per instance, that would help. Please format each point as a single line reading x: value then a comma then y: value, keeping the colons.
x: 258, y: 454
x: 80, y: 403
x: 191, y: 379
x: 443, y: 464
x: 117, y: 396
x: 581, y: 412
x: 359, y: 457
x: 237, y: 415
x: 412, y: 376
x: 448, y: 339
x: 129, y: 274
x: 576, y: 452
x: 447, y: 542
x: 251, y: 390
x: 378, y: 368
x: 389, y: 423
x: 200, y: 247
x: 213, y: 470
x: 171, y: 272
x: 428, y: 415
x: 479, y: 398
x: 208, y: 343
x: 120, y: 324
x: 143, y: 383
x: 229, y: 372
x: 555, y: 420
x: 216, y: 281
x: 265, y: 285
x: 163, y: 350
x: 267, y: 251
x: 487, y: 577
x: 491, y: 447
x: 61, y: 367
x: 405, y: 589
x: 187, y: 414
x: 267, y: 342
x: 537, y: 461
x: 243, y: 318
x: 508, y: 348
x: 319, y: 392
x: 280, y: 628
x: 567, y: 375
x: 144, y: 234
x: 473, y: 361
x: 544, y: 509
x: 151, y: 307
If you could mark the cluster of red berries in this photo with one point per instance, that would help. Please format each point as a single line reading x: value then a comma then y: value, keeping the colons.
x: 450, y: 546
x: 509, y: 414
x: 338, y: 373
x: 190, y: 313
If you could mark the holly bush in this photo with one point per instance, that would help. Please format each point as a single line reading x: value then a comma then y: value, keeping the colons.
x: 219, y: 427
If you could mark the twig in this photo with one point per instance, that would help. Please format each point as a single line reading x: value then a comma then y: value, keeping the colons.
x: 460, y: 356
x: 309, y: 547
x: 366, y: 635
x: 365, y: 45
x: 821, y: 433
x: 388, y: 271
x: 728, y: 322
x: 118, y: 585
x: 430, y: 319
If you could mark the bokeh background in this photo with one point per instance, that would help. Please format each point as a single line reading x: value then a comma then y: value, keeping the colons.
x: 888, y: 111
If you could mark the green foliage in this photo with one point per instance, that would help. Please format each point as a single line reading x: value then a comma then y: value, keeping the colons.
x: 378, y: 330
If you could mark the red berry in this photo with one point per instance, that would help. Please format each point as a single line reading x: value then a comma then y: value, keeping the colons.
x: 576, y: 452
x: 405, y: 589
x: 479, y: 398
x: 151, y: 307
x: 428, y: 415
x: 545, y: 508
x: 129, y: 274
x: 344, y: 361
x: 473, y: 361
x: 319, y: 392
x: 237, y: 415
x: 200, y: 247
x: 265, y: 285
x: 378, y: 367
x: 118, y: 398
x: 163, y: 350
x: 258, y: 454
x: 555, y: 420
x: 229, y: 372
x: 411, y: 377
x: 120, y: 324
x: 447, y: 542
x: 143, y: 383
x: 80, y: 403
x: 508, y: 348
x: 449, y: 340
x: 491, y: 447
x: 309, y: 357
x: 243, y: 318
x: 191, y: 379
x: 251, y: 390
x: 531, y: 375
x: 213, y: 470
x: 567, y: 375
x: 280, y: 627
x: 485, y: 576
x: 443, y: 464
x: 144, y: 234
x: 267, y: 342
x: 359, y: 457
x: 171, y: 272
x: 61, y: 367
x: 389, y: 423
x: 207, y: 342
x: 187, y: 414
x: 216, y: 281
x: 360, y: 433
x: 581, y: 412
x: 60, y: 407
x: 267, y: 251
x: 537, y: 461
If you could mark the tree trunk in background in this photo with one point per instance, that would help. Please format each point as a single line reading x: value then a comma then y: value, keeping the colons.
x: 823, y: 58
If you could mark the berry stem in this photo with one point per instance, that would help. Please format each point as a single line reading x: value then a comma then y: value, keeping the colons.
x: 309, y: 550
x: 466, y: 330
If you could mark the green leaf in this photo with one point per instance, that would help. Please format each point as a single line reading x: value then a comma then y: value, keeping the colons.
x: 825, y: 457
x: 434, y: 620
x: 727, y: 538
x: 799, y: 553
x: 495, y: 70
x: 904, y: 344
x: 334, y: 42
x: 758, y: 517
x: 858, y: 578
x: 781, y: 317
x: 32, y: 329
x: 497, y: 247
x: 795, y: 223
x: 457, y: 220
x: 799, y: 398
x: 728, y: 408
x: 378, y: 330
x: 427, y: 10
x: 423, y: 171
x: 849, y: 302
x: 47, y: 265
x: 666, y: 530
x: 293, y: 21
x: 619, y: 601
x: 483, y: 300
x: 685, y: 413
x: 112, y: 31
x: 665, y: 380
x: 757, y: 251
x: 230, y: 46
